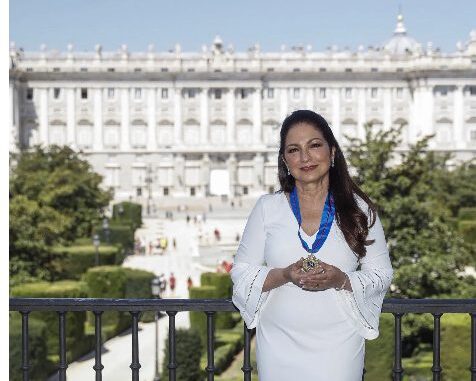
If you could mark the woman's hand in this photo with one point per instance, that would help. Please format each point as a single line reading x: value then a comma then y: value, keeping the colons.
x: 293, y: 273
x: 322, y: 277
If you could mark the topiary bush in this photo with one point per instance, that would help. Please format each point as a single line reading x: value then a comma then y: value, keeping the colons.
x: 188, y: 353
x: 37, y: 345
x: 224, y: 290
x: 379, y: 353
x: 74, y: 320
x: 467, y: 214
x: 72, y: 261
x: 128, y: 211
x: 120, y: 233
x: 198, y: 320
x: 138, y: 286
x: 455, y: 346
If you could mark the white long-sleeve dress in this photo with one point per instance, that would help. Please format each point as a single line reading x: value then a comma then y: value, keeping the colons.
x: 307, y: 335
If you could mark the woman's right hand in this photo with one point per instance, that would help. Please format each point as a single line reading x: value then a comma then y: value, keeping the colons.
x: 293, y: 273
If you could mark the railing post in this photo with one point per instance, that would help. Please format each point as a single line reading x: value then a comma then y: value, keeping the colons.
x: 436, y: 368
x: 210, y: 369
x: 172, y: 360
x: 135, y: 364
x: 25, y: 366
x: 472, y: 369
x: 247, y: 368
x: 98, y: 367
x: 397, y: 367
x: 63, y: 365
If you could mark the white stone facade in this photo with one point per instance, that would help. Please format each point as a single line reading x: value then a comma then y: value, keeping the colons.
x: 156, y: 124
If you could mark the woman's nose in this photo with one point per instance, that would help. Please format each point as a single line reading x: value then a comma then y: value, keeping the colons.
x: 304, y: 155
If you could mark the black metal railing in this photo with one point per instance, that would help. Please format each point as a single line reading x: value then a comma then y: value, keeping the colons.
x: 397, y: 307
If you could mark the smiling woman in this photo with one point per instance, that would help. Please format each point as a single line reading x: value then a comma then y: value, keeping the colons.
x: 312, y: 268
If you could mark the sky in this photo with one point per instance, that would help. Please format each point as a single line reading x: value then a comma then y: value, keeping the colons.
x: 193, y: 23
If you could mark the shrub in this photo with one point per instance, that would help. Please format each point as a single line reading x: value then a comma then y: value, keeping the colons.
x: 37, y: 345
x: 71, y: 262
x: 130, y: 211
x: 119, y: 234
x: 467, y: 214
x: 198, y: 320
x: 188, y: 353
x: 468, y: 230
x: 379, y: 352
x: 138, y: 286
x: 455, y: 346
x: 74, y: 320
x: 224, y: 290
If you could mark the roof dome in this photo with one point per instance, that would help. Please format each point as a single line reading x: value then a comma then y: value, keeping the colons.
x: 400, y: 43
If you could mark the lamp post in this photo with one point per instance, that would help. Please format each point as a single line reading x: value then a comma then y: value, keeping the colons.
x: 155, y: 288
x: 105, y: 229
x: 96, y: 243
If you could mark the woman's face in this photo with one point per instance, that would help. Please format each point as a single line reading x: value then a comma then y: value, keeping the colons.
x: 306, y: 153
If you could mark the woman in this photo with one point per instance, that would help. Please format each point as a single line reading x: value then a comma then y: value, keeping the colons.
x: 312, y: 267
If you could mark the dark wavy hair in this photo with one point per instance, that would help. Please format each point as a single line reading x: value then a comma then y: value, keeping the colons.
x: 351, y: 220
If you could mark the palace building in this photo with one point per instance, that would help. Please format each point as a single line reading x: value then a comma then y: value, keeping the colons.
x: 181, y: 124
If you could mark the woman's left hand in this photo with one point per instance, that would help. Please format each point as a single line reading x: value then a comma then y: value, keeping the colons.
x: 322, y: 277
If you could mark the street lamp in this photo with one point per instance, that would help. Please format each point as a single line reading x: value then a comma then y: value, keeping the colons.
x: 155, y: 288
x: 96, y: 243
x: 105, y: 229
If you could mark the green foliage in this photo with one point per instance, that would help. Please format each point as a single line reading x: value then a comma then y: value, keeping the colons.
x: 379, y: 352
x: 72, y: 261
x: 224, y: 290
x: 455, y: 346
x: 467, y: 214
x: 37, y: 345
x: 55, y: 197
x: 188, y: 353
x: 198, y: 320
x: 74, y: 320
x: 120, y: 233
x: 128, y: 211
x: 468, y: 231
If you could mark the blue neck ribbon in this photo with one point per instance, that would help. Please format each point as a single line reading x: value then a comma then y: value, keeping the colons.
x: 325, y: 225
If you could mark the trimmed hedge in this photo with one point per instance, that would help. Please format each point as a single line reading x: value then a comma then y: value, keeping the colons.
x: 138, y: 286
x: 467, y: 214
x: 37, y: 345
x: 224, y: 286
x: 130, y: 211
x: 119, y: 234
x: 74, y: 320
x: 72, y: 261
x: 379, y: 352
x: 188, y: 354
x: 455, y: 346
x: 198, y: 320
x: 468, y: 230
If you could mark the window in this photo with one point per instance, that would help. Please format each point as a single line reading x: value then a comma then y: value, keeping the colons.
x: 270, y: 93
x: 164, y: 70
x: 245, y: 190
x: 29, y: 69
x: 322, y: 92
x: 472, y: 135
x: 139, y: 192
x: 217, y: 93
x: 244, y: 70
x: 443, y: 91
x: 137, y: 70
x: 373, y: 92
x: 348, y: 93
x: 166, y: 191
x: 29, y: 94
x: 111, y: 69
x: 83, y: 69
x: 137, y: 93
x: 56, y: 69
x: 399, y: 92
x: 399, y: 69
x: 244, y: 93
x: 84, y: 93
x: 348, y: 70
x: 374, y: 69
x: 270, y: 69
x: 217, y: 71
x: 190, y: 93
x: 110, y: 93
x: 165, y: 93
x: 296, y: 93
x: 322, y: 69
x: 472, y: 91
x: 296, y: 70
x: 56, y: 93
x: 192, y: 191
x: 190, y: 70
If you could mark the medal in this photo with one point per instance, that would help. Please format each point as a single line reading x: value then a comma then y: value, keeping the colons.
x: 311, y: 262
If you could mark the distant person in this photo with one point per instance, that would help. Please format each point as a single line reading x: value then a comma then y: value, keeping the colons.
x: 237, y: 237
x: 162, y: 284
x: 174, y: 243
x: 172, y: 281
x: 151, y: 247
x: 189, y: 283
x: 188, y: 218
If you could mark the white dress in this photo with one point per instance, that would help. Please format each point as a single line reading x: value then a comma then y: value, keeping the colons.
x: 307, y: 335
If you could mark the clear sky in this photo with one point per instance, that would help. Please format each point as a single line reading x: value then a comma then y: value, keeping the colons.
x: 242, y: 23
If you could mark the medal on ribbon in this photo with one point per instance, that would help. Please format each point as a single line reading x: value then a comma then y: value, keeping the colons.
x: 310, y: 262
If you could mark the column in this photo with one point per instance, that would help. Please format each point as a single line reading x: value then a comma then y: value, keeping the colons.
x: 387, y: 109
x: 414, y: 122
x: 361, y: 112
x: 257, y: 123
x: 310, y: 99
x: 259, y: 173
x: 70, y: 117
x: 204, y: 115
x: 151, y: 120
x: 14, y: 123
x: 43, y: 95
x: 458, y: 123
x: 178, y: 116
x: 230, y: 116
x: 283, y: 93
x: 205, y: 175
x: 427, y: 113
x: 231, y: 164
x: 336, y: 112
x: 125, y: 119
x: 97, y: 142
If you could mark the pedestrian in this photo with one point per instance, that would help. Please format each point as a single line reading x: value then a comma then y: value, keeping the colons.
x: 162, y: 284
x: 172, y: 281
x: 237, y: 237
x: 150, y: 247
x: 188, y: 218
x: 174, y: 242
x: 189, y: 283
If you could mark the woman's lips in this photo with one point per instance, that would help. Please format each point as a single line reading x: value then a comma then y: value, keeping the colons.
x: 309, y: 168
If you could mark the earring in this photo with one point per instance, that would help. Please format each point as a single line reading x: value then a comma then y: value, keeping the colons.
x: 288, y: 171
x: 332, y: 162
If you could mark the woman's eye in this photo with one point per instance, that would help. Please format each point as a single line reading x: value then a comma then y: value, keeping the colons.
x: 292, y: 150
x: 315, y: 145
